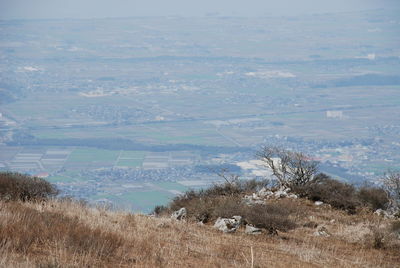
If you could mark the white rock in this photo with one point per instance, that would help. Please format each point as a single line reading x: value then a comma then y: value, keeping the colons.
x: 379, y: 212
x: 294, y: 196
x: 388, y: 214
x: 322, y: 231
x: 179, y: 214
x: 249, y: 200
x: 252, y: 230
x: 280, y: 194
x: 265, y: 193
x: 228, y: 225
x: 238, y: 219
x: 318, y: 203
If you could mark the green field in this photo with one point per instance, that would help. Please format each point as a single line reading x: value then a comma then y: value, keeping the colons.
x: 130, y: 163
x: 92, y: 155
x: 133, y: 154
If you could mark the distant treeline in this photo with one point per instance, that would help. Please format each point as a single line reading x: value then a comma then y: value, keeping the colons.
x: 121, y: 144
x: 224, y: 59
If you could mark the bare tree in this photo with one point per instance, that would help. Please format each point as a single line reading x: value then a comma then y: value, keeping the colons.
x: 290, y: 168
x: 229, y: 178
x: 391, y: 183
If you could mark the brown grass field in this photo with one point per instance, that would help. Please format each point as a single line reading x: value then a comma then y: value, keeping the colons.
x: 66, y: 233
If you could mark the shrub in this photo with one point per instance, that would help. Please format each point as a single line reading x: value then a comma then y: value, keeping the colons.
x: 227, y: 208
x: 270, y: 216
x: 375, y: 198
x: 395, y: 227
x: 338, y: 194
x: 158, y: 210
x: 391, y: 183
x: 15, y: 186
x: 229, y: 188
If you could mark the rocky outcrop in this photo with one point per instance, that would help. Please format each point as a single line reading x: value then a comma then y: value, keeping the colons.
x: 322, y: 231
x: 318, y: 203
x: 263, y: 194
x: 254, y: 199
x: 252, y: 230
x: 228, y: 225
x: 179, y: 214
x: 389, y: 213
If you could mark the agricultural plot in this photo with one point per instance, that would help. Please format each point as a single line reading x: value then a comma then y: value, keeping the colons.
x: 130, y: 159
x: 130, y: 163
x: 93, y: 155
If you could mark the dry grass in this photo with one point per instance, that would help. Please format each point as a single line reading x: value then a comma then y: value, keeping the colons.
x: 70, y: 234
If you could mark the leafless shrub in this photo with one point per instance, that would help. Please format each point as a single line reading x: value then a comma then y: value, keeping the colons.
x: 228, y: 207
x: 15, y: 186
x: 338, y: 194
x: 272, y: 217
x: 373, y: 197
x: 204, y: 197
x: 391, y: 182
x: 290, y: 168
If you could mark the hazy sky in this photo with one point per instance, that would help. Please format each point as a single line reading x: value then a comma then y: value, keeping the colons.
x: 124, y: 8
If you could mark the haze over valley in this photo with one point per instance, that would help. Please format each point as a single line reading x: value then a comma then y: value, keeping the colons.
x: 134, y: 111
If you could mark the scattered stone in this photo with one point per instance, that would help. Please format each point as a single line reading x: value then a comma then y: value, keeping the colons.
x: 252, y: 230
x: 265, y: 193
x: 332, y: 221
x: 179, y: 214
x: 228, y: 225
x: 282, y: 192
x: 250, y: 200
x: 322, y: 231
x: 318, y: 203
x: 388, y: 214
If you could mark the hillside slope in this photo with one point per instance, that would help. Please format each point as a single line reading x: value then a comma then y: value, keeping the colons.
x: 66, y: 233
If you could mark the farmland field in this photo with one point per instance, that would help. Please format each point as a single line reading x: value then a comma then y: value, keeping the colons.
x: 93, y: 155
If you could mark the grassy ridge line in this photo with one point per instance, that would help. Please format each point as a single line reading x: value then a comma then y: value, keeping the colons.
x: 37, y: 230
x: 117, y: 239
